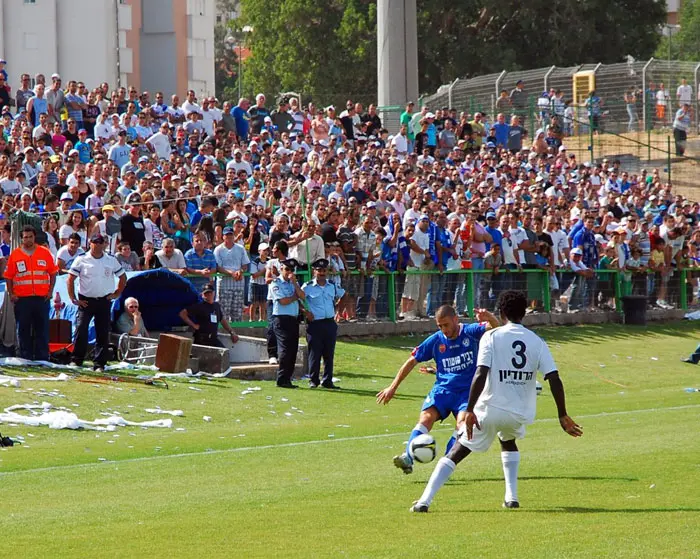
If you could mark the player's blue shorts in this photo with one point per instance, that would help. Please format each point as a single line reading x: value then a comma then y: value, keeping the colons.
x: 446, y: 401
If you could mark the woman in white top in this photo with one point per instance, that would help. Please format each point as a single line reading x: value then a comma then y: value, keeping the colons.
x: 50, y: 227
x: 75, y: 224
x: 152, y: 225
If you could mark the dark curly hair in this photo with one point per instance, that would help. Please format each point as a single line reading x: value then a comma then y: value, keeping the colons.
x: 512, y: 304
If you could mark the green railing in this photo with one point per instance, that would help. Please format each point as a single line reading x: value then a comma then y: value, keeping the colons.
x: 611, y: 284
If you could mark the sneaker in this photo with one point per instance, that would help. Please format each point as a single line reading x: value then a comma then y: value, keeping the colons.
x: 313, y: 384
x: 99, y: 370
x: 403, y: 463
x: 688, y: 360
x: 511, y: 505
x: 663, y: 304
x: 273, y: 361
x: 418, y: 507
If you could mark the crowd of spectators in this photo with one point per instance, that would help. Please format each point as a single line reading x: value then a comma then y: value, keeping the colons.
x: 204, y: 188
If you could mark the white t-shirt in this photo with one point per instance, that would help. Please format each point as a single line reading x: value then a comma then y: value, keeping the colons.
x: 561, y: 243
x: 66, y: 256
x: 66, y: 230
x: 661, y: 97
x: 160, y: 143
x: 518, y: 235
x: 96, y: 276
x: 684, y: 93
x: 513, y: 355
x: 423, y: 241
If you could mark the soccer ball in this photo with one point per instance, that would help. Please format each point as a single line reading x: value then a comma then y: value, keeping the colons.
x: 538, y: 387
x: 423, y: 449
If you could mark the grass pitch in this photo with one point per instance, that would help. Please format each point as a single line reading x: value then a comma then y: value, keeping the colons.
x: 308, y: 473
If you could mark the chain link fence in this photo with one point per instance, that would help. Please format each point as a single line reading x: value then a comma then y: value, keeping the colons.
x: 639, y: 100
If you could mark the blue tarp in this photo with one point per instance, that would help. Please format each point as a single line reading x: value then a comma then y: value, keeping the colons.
x: 162, y: 294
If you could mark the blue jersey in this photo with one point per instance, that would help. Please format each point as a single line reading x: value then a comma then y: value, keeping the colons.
x: 455, y: 359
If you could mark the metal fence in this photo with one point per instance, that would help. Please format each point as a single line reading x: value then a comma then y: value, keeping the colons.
x: 392, y: 296
x: 611, y: 82
x: 632, y: 128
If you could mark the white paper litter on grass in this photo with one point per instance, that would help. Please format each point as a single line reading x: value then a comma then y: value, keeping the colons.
x: 60, y: 419
x: 130, y: 367
x: 15, y: 381
x: 206, y: 418
x: 175, y: 413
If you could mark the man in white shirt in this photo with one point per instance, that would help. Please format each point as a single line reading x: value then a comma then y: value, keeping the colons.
x: 190, y: 105
x: 159, y: 143
x: 400, y: 142
x: 684, y: 93
x: 171, y: 257
x: 503, y: 399
x: 238, y: 163
x: 96, y: 272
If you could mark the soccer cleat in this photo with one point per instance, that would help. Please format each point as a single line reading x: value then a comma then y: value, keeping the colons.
x: 511, y: 505
x: 688, y: 360
x: 273, y: 361
x: 403, y: 463
x: 418, y: 507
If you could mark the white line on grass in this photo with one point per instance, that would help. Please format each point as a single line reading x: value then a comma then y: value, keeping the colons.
x: 304, y: 443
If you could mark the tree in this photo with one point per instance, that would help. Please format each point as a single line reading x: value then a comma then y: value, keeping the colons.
x: 327, y: 50
x: 225, y: 55
x: 685, y: 44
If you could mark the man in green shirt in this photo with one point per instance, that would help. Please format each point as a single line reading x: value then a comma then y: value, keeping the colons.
x: 406, y: 118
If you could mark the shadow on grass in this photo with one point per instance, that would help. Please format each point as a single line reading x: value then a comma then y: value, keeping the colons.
x: 347, y: 374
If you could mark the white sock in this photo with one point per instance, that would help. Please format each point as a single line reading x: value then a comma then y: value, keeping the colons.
x: 511, y: 462
x: 440, y: 475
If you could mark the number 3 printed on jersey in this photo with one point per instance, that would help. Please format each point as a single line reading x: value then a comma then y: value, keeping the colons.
x: 520, y: 358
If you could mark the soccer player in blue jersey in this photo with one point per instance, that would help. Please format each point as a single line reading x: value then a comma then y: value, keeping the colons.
x: 454, y: 349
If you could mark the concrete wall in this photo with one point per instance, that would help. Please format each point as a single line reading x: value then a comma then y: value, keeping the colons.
x: 87, y: 41
x: 29, y: 38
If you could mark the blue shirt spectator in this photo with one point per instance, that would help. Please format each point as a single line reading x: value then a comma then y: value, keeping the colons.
x: 242, y: 118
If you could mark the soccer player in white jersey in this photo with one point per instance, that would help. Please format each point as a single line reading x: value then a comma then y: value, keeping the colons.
x: 502, y: 399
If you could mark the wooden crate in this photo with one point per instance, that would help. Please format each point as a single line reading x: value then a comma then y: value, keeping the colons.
x: 173, y: 353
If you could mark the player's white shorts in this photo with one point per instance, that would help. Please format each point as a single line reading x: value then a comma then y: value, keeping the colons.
x: 493, y: 421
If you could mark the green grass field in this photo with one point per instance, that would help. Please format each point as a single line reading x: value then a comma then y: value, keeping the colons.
x: 308, y: 473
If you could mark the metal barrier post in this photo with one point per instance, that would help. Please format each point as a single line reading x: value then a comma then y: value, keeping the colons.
x: 697, y: 84
x: 590, y: 135
x: 645, y: 107
x: 649, y: 145
x: 618, y: 292
x: 470, y: 293
x: 449, y: 93
x: 684, y: 290
x: 391, y: 295
x: 668, y: 156
x: 546, y: 295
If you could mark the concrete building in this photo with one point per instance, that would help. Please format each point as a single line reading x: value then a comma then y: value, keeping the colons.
x: 165, y: 45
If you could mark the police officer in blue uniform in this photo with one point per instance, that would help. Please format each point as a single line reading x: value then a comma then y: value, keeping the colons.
x: 321, y: 328
x: 286, y: 295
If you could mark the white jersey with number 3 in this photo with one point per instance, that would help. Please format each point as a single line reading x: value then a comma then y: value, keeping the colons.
x: 513, y: 355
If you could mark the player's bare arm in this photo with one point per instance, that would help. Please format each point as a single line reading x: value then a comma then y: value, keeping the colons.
x: 482, y: 315
x: 387, y: 394
x: 478, y: 383
x: 557, y: 388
